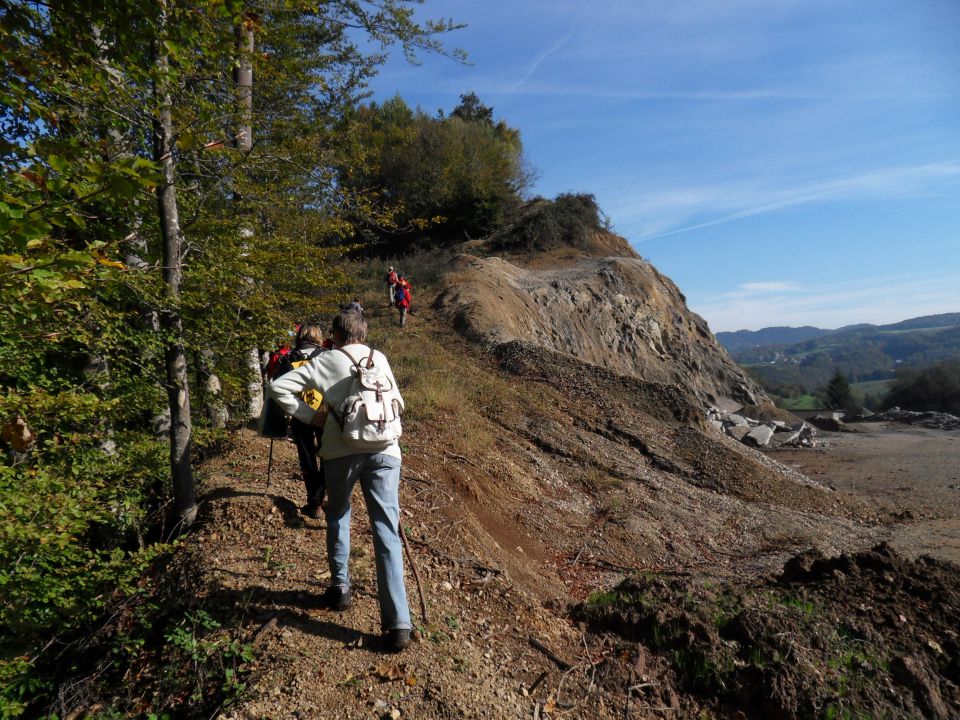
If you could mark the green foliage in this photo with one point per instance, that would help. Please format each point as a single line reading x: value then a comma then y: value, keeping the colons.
x: 204, y: 662
x: 83, y: 486
x: 447, y: 177
x: 570, y: 220
x: 934, y: 388
x: 837, y: 394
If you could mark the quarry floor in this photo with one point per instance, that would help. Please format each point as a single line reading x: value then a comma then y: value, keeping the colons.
x: 912, y: 468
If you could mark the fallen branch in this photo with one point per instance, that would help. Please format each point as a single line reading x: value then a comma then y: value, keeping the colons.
x: 416, y: 575
x: 559, y: 662
x: 461, y: 458
x: 536, y: 683
x: 410, y: 474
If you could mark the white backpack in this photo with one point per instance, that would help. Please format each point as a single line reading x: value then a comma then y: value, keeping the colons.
x: 369, y: 417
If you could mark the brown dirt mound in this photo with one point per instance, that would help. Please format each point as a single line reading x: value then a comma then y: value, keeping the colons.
x: 863, y: 635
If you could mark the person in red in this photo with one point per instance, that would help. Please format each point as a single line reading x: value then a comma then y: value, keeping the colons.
x: 391, y: 279
x: 405, y: 284
x: 401, y: 302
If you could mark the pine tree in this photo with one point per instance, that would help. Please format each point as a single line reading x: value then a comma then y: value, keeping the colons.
x: 838, y: 393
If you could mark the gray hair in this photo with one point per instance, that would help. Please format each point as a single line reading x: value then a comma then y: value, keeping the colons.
x: 349, y: 327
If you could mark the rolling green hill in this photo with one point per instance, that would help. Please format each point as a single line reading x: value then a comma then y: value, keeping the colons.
x: 789, y: 366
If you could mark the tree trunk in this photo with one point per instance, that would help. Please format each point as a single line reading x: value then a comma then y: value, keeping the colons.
x: 213, y: 404
x: 243, y: 84
x: 178, y: 385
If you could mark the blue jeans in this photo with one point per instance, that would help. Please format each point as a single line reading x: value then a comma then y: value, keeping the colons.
x: 379, y: 477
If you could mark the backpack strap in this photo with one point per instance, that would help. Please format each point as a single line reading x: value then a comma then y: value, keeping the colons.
x: 352, y: 361
x: 356, y: 364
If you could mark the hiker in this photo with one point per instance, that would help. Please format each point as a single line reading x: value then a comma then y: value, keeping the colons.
x: 402, y: 302
x: 353, y: 306
x: 391, y: 279
x: 308, y: 345
x: 348, y: 460
x: 405, y: 284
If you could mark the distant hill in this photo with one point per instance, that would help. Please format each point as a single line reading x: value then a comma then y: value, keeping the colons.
x: 792, y: 361
x: 746, y: 339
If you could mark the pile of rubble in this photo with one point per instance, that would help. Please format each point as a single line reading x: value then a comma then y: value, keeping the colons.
x: 762, y: 433
x: 928, y: 419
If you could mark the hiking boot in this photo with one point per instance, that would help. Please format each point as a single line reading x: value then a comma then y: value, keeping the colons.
x: 338, y: 598
x: 397, y: 639
x: 312, y: 511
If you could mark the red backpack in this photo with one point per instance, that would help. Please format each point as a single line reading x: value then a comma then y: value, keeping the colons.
x: 275, y: 360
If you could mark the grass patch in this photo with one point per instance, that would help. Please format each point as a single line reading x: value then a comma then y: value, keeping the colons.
x: 801, y: 402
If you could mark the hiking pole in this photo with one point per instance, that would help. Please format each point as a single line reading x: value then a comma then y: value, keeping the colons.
x: 270, y: 462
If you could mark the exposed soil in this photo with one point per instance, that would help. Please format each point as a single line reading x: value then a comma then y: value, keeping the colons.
x: 914, y: 469
x: 534, y: 482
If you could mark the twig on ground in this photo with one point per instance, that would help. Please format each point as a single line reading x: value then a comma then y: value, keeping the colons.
x: 268, y: 625
x: 536, y: 683
x: 461, y: 458
x: 416, y: 575
x: 579, y: 553
x: 560, y: 704
x: 559, y: 662
x: 417, y: 477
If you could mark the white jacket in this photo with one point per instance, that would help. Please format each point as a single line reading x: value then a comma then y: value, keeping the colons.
x: 330, y: 373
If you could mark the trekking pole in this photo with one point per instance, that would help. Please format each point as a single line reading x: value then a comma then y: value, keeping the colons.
x: 270, y: 463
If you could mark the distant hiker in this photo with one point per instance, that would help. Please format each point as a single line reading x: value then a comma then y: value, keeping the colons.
x: 353, y: 306
x: 308, y: 344
x: 401, y: 302
x: 351, y: 452
x: 405, y: 284
x: 391, y: 279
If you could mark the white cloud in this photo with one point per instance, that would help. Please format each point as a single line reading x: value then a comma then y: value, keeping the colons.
x: 877, y: 300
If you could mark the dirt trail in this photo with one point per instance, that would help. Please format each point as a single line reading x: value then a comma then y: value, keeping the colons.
x: 269, y: 562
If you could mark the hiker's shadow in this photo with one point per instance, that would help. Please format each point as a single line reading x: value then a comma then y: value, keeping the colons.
x: 289, y: 511
x: 292, y: 609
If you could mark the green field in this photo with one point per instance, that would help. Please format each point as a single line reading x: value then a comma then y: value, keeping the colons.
x: 873, y: 387
x: 801, y: 402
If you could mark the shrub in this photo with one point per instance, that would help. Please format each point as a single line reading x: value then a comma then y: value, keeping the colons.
x: 569, y: 220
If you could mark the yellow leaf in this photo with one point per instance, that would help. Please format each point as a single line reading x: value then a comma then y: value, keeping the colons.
x: 111, y: 263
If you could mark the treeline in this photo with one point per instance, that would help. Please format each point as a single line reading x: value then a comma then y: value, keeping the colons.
x: 861, y: 353
x: 174, y: 188
x: 934, y: 388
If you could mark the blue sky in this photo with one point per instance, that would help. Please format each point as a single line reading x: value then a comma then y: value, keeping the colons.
x: 785, y: 162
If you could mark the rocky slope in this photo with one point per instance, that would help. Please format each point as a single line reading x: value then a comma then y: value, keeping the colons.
x: 616, y: 312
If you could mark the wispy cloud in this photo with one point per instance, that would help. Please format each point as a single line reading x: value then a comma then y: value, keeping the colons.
x: 670, y: 212
x: 877, y: 300
x: 546, y: 54
x: 770, y: 286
